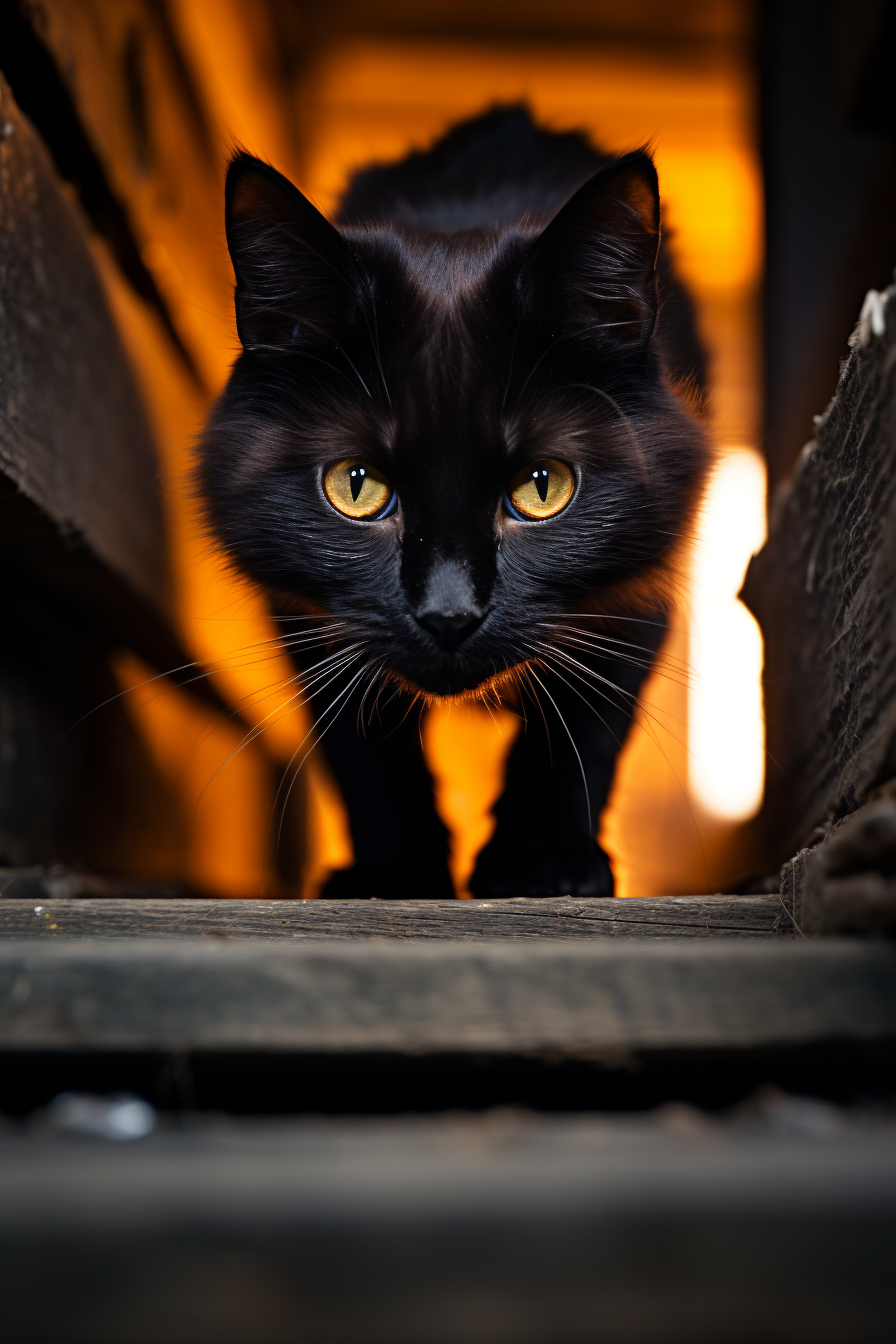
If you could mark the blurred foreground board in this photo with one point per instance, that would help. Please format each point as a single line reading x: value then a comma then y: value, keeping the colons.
x: 498, y: 1229
x: 498, y: 995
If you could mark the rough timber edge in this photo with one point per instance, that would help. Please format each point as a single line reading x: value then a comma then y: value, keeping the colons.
x: 108, y: 917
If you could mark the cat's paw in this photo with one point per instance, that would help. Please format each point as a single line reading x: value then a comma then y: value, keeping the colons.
x: 363, y: 881
x: 572, y: 870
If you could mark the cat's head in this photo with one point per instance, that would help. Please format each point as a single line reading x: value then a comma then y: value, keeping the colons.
x: 445, y: 441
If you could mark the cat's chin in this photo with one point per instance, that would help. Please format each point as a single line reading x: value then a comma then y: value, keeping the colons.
x: 458, y: 686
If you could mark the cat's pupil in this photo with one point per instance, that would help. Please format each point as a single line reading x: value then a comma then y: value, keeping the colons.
x: 541, y: 475
x: 356, y: 480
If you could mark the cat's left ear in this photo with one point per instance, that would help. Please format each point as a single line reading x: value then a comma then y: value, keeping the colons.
x: 593, y: 269
x: 292, y: 267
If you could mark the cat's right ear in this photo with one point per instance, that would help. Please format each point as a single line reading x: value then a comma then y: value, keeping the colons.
x: 292, y: 267
x: 593, y: 269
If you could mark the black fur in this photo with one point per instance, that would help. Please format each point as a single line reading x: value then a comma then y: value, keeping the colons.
x: 492, y: 302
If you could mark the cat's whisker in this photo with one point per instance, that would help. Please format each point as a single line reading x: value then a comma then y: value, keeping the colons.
x: 574, y: 747
x: 592, y: 634
x: 626, y: 420
x: 634, y: 700
x: 589, y: 672
x: 650, y: 730
x: 342, y: 698
x: 304, y: 681
x: 282, y: 709
x: 609, y: 616
x: 353, y: 369
x: 238, y: 706
x: 360, y: 724
x: 375, y: 341
x: 525, y: 680
x: 222, y: 664
x: 587, y: 330
x: 254, y: 696
x: 328, y: 336
x: 599, y: 645
x: 237, y: 667
x: 510, y: 365
x: 670, y: 672
x: 550, y: 663
x: 657, y: 666
x: 598, y: 641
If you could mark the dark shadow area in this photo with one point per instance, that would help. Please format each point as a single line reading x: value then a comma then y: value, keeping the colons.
x: 271, y: 1083
x: 829, y: 154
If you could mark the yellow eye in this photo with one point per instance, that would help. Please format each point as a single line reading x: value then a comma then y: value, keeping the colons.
x: 356, y: 489
x: 542, y: 489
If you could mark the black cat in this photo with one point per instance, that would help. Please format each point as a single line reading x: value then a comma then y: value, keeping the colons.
x: 452, y: 444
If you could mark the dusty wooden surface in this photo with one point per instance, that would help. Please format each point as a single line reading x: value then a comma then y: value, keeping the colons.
x: 29, y: 908
x: 497, y: 995
x: 500, y: 1229
x: 822, y: 589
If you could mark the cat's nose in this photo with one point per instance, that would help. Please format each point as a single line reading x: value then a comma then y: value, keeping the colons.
x: 450, y: 629
x: 449, y: 610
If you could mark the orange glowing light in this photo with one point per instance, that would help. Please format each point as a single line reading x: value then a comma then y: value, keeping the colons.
x: 367, y: 100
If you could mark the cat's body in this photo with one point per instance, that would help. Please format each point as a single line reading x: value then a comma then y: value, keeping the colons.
x: 475, y: 346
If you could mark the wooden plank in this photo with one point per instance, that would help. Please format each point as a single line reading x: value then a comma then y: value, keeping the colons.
x: 822, y: 590
x: 494, y: 1229
x: 65, y: 913
x: 502, y: 995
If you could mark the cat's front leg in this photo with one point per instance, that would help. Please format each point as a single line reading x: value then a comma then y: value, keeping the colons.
x: 400, y: 844
x: 558, y: 776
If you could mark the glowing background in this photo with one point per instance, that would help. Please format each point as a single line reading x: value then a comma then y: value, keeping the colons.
x: 670, y: 819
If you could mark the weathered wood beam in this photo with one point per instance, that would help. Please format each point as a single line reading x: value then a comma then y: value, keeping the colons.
x: 822, y: 589
x: 74, y: 437
x: 83, y: 547
x: 74, y: 905
x: 575, y: 998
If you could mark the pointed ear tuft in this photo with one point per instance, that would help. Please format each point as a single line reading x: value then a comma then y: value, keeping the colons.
x: 593, y: 269
x: 292, y: 267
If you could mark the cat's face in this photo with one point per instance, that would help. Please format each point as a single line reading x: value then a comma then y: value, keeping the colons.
x: 447, y: 441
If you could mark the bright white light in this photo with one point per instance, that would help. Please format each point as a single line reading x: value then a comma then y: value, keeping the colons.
x: 726, y: 737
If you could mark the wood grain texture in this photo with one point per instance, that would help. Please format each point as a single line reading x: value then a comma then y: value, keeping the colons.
x: 65, y: 914
x: 822, y: 590
x: 577, y: 998
x: 499, y: 1230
